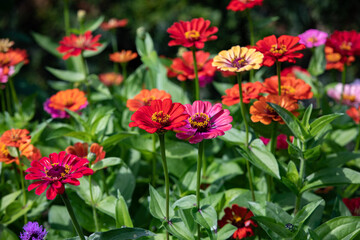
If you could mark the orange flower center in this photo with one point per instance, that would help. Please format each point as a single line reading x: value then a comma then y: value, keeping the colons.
x: 192, y: 35
x: 3, y: 150
x: 287, y: 90
x: 345, y: 46
x: 199, y: 121
x: 148, y: 100
x: 312, y: 39
x: 69, y: 103
x: 279, y: 50
x: 161, y: 117
x: 57, y: 171
x: 350, y: 98
x: 79, y: 42
x: 15, y: 137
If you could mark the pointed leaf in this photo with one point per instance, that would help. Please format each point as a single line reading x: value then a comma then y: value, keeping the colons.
x: 343, y: 228
x: 69, y: 76
x: 321, y: 122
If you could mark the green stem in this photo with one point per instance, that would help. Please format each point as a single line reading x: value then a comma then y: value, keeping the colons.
x: 343, y: 80
x: 115, y: 48
x: 269, y: 179
x: 166, y: 175
x: 22, y: 183
x: 87, y: 83
x: 13, y: 94
x: 298, y: 197
x: 93, y: 206
x: 357, y: 139
x: 197, y: 85
x: 8, y: 101
x: 3, y: 107
x: 66, y: 17
x: 198, y: 178
x: 124, y: 72
x: 67, y: 203
x: 250, y: 180
x: 278, y: 70
x: 154, y: 161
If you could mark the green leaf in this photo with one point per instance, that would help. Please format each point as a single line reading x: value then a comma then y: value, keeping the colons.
x: 317, y: 62
x: 66, y: 75
x: 78, y: 119
x: 83, y: 190
x: 107, y: 206
x: 119, y: 234
x: 344, y: 228
x: 93, y: 25
x: 179, y: 149
x: 59, y: 131
x: 84, y: 136
x: 185, y: 202
x: 331, y: 177
x: 8, y: 199
x: 115, y: 139
x: 292, y: 173
x: 36, y: 133
x: 88, y: 53
x: 305, y: 213
x: 122, y: 213
x: 46, y: 43
x: 206, y: 216
x: 235, y: 136
x: 292, y: 122
x: 226, y: 231
x: 59, y: 218
x: 7, y: 234
x: 306, y: 117
x: 177, y: 228
x: 106, y: 162
x: 15, y: 210
x: 321, y: 122
x: 271, y: 227
x: 157, y: 205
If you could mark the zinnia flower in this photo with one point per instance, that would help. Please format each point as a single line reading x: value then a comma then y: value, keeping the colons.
x: 15, y: 137
x: 123, y: 57
x: 160, y: 116
x: 351, y: 95
x: 281, y: 142
x: 33, y: 231
x: 313, y: 38
x: 250, y: 91
x: 55, y: 171
x: 205, y: 122
x: 346, y: 43
x: 114, y: 23
x: 26, y: 149
x: 145, y: 97
x: 280, y: 49
x: 241, y: 5
x: 353, y: 204
x: 238, y: 59
x: 81, y: 150
x: 183, y: 68
x: 294, y: 88
x: 5, y: 44
x: 8, y: 61
x: 335, y: 61
x: 192, y: 34
x: 72, y: 99
x: 293, y: 71
x: 262, y: 112
x: 74, y: 45
x: 354, y: 113
x: 239, y: 217
x: 111, y: 79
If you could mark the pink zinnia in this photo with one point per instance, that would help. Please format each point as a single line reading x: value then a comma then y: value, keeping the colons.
x: 57, y: 170
x: 313, y: 38
x: 351, y: 94
x: 205, y: 122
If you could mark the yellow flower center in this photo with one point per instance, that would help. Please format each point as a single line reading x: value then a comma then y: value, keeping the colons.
x: 279, y: 50
x: 160, y: 117
x: 3, y: 150
x: 270, y: 109
x: 148, y: 100
x: 57, y: 172
x: 192, y: 35
x: 312, y: 39
x: 199, y: 121
x: 237, y: 219
x: 350, y: 98
x: 287, y: 90
x: 345, y: 46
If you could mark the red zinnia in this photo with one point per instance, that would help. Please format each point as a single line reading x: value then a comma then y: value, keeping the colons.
x: 160, y: 116
x: 293, y: 71
x: 241, y: 5
x: 56, y: 170
x: 183, y: 68
x: 346, y: 43
x: 114, y: 23
x: 15, y: 137
x: 250, y: 91
x: 282, y: 49
x: 354, y: 113
x: 240, y: 217
x: 74, y: 45
x: 194, y: 33
x: 353, y: 204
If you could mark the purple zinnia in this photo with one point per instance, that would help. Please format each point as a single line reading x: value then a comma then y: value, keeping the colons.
x: 205, y: 122
x: 313, y: 38
x: 33, y: 232
x: 351, y: 95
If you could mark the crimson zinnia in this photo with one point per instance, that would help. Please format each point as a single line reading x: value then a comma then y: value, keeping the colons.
x: 282, y: 49
x: 192, y: 34
x: 160, y: 116
x: 74, y: 45
x: 346, y: 43
x: 241, y: 5
x: 55, y: 171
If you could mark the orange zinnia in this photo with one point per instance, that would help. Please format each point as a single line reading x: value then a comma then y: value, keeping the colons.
x: 250, y: 91
x: 262, y: 112
x: 294, y: 88
x: 15, y: 137
x: 81, y: 150
x: 145, y: 97
x: 334, y: 60
x: 114, y: 23
x: 111, y: 78
x: 123, y: 57
x: 26, y: 149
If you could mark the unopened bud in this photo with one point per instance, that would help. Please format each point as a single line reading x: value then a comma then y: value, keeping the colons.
x: 91, y: 157
x: 81, y: 15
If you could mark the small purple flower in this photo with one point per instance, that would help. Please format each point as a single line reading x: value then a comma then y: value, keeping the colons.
x: 351, y: 95
x: 313, y: 38
x: 205, y: 122
x: 32, y: 231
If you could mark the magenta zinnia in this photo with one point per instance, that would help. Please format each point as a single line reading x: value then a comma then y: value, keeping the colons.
x: 205, y: 122
x: 57, y: 170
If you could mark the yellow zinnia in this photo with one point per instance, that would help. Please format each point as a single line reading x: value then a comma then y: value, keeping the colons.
x: 238, y: 59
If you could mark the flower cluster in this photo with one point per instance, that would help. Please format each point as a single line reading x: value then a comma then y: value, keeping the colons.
x: 8, y: 60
